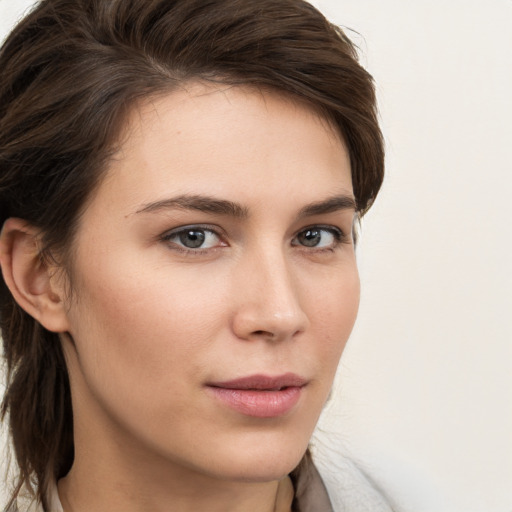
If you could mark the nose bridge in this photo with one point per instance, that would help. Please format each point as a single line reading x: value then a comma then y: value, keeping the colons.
x: 269, y: 302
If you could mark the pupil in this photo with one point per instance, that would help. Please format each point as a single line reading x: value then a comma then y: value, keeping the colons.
x: 192, y: 239
x: 310, y: 238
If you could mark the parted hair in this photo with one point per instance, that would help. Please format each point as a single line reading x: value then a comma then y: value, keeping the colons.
x: 70, y: 71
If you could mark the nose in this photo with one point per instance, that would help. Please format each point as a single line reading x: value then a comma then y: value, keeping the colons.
x: 268, y: 303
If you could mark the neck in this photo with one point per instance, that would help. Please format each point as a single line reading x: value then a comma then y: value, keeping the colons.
x: 78, y: 495
x: 114, y: 475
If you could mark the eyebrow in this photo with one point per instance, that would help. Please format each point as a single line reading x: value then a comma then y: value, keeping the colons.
x: 199, y: 203
x: 331, y: 205
x: 213, y: 205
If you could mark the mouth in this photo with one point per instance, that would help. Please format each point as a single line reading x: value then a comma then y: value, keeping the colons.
x: 260, y: 396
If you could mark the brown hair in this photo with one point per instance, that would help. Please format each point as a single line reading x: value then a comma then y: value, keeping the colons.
x: 70, y: 71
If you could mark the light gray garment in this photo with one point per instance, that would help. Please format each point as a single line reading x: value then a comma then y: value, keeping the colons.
x: 350, y: 490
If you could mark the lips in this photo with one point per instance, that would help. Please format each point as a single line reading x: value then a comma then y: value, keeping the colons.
x: 260, y: 396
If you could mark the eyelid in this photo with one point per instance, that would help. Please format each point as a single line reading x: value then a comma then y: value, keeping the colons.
x: 205, y: 227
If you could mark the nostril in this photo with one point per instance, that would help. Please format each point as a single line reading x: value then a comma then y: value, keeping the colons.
x: 268, y: 334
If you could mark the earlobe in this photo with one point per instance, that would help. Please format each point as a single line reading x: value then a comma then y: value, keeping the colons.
x: 34, y: 284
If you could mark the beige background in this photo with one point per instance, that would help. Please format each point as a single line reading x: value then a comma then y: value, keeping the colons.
x: 424, y: 398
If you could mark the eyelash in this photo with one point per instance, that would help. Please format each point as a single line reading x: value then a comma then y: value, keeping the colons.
x: 339, y: 238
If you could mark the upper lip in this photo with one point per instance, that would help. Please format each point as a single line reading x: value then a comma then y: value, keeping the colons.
x: 262, y: 382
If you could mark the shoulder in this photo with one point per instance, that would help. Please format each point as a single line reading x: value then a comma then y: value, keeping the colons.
x: 27, y: 503
x: 349, y: 489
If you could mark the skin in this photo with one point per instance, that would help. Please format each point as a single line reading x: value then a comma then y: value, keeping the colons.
x: 150, y: 323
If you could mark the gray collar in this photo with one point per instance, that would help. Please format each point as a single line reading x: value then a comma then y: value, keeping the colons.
x: 310, y: 492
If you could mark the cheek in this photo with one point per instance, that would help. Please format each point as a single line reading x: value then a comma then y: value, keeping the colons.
x: 333, y: 312
x: 143, y: 344
x: 142, y: 323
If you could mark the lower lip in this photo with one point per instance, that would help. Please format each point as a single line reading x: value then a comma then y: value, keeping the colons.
x: 260, y: 404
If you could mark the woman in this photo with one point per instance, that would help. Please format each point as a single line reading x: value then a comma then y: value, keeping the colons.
x: 180, y: 180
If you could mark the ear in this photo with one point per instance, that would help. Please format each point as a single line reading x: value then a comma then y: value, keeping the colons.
x: 38, y: 287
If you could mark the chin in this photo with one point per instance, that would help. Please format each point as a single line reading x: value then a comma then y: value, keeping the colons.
x: 262, y: 463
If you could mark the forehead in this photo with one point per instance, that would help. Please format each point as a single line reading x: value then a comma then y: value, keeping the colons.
x: 202, y: 107
x: 228, y: 141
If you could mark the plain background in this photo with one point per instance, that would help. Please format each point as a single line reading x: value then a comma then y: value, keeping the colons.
x: 423, y: 401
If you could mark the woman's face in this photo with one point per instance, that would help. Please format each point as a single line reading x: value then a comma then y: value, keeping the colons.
x: 215, y: 284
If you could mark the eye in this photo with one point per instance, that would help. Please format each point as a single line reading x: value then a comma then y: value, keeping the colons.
x: 193, y: 237
x: 319, y: 237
